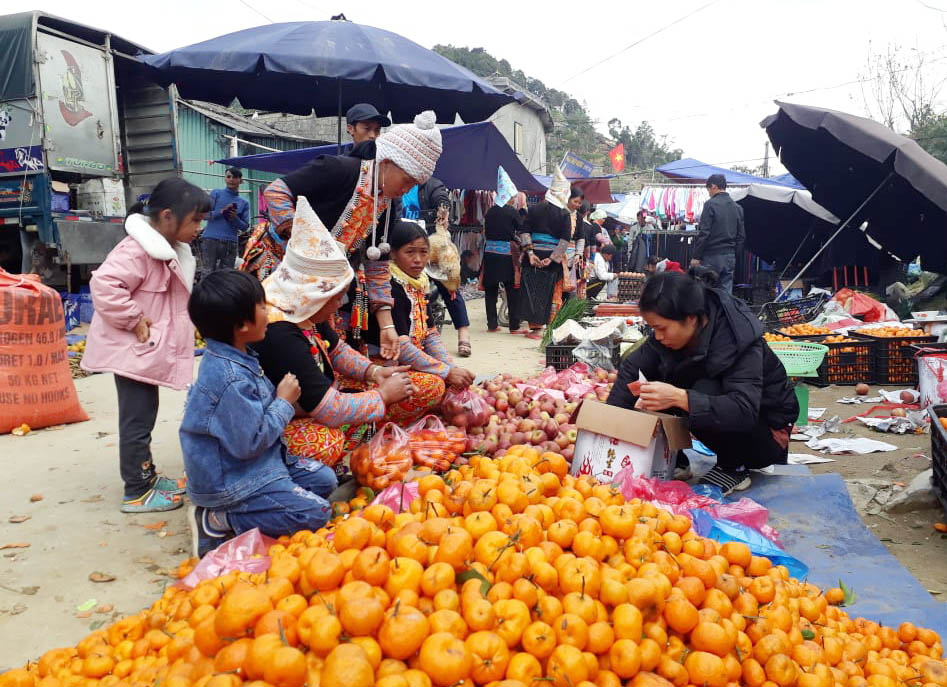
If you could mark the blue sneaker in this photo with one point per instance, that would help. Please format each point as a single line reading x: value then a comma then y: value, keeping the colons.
x: 204, y: 538
x: 170, y: 486
x: 152, y: 501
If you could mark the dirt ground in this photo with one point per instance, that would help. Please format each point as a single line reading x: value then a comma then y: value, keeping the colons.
x: 75, y: 529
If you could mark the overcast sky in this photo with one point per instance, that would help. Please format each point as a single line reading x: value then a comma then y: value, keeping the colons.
x: 705, y: 81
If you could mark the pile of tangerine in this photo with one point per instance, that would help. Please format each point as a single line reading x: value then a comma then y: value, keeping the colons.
x: 506, y: 573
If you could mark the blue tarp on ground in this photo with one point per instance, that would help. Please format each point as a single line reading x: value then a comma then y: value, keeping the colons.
x: 818, y: 524
x: 689, y: 169
x: 472, y: 153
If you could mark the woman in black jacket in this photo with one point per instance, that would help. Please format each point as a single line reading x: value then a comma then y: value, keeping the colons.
x: 707, y: 360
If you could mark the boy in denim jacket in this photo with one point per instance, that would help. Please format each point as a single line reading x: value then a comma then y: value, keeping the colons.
x: 240, y: 475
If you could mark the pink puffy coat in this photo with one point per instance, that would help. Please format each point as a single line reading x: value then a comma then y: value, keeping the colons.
x: 143, y: 276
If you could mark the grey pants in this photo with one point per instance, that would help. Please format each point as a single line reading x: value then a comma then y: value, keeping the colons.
x: 217, y: 255
x: 723, y: 264
x: 137, y: 412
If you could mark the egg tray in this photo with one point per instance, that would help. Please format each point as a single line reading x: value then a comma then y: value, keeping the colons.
x: 630, y: 288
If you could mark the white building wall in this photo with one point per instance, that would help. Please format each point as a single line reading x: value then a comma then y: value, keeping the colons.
x: 533, y: 151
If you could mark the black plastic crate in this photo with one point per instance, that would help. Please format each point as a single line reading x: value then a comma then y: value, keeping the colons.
x: 799, y: 311
x: 939, y: 453
x: 846, y: 363
x: 894, y: 363
x: 560, y: 356
x: 630, y: 288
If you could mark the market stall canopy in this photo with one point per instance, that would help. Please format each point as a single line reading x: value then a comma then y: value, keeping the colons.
x: 862, y: 170
x: 597, y: 190
x: 689, y: 170
x: 472, y: 153
x: 782, y: 222
x: 326, y: 67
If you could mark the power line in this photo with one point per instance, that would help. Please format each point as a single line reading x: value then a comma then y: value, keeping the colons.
x: 642, y: 40
x: 257, y: 11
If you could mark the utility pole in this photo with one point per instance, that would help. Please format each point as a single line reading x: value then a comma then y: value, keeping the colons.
x: 766, y: 160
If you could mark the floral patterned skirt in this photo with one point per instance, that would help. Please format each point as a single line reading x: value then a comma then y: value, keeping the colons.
x: 308, y: 439
x: 428, y: 392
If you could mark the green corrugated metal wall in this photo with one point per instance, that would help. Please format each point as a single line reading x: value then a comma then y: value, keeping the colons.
x: 200, y: 141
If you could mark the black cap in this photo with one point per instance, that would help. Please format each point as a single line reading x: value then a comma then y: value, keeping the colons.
x: 363, y: 112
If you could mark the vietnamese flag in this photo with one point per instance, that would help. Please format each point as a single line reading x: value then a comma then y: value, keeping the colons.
x: 617, y: 156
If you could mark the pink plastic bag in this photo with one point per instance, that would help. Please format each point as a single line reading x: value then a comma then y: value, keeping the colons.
x: 397, y: 497
x: 680, y: 499
x: 246, y: 552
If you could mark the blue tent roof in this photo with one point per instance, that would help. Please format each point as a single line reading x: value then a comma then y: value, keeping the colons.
x: 689, y: 169
x: 472, y: 153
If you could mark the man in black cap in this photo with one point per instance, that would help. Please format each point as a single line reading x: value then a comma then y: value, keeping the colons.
x: 721, y: 234
x: 364, y: 123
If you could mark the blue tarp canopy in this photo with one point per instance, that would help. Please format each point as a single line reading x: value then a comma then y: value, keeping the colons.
x: 472, y: 153
x: 326, y: 67
x: 689, y: 169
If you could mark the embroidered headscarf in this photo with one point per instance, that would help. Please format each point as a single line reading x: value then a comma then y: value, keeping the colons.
x: 313, y: 271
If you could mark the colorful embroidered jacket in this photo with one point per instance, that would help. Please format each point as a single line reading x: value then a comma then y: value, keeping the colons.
x: 340, y: 191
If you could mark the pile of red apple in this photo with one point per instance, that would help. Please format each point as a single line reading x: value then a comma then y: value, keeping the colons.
x: 536, y: 411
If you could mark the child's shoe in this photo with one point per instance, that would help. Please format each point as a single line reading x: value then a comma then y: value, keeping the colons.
x: 153, y: 501
x: 204, y: 537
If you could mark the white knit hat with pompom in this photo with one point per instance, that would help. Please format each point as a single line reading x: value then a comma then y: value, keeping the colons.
x: 415, y: 148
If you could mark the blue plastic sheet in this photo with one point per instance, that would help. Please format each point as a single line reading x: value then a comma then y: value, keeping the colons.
x: 727, y: 530
x: 818, y: 524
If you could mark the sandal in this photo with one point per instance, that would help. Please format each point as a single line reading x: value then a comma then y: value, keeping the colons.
x: 152, y: 501
x: 169, y: 485
x: 463, y: 349
x: 534, y: 334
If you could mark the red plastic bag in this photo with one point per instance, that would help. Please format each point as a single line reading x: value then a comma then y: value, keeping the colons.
x: 862, y: 306
x: 465, y: 408
x: 433, y: 445
x: 384, y: 460
x: 246, y: 552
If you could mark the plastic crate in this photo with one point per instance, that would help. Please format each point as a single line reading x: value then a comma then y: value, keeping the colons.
x: 939, y: 453
x: 630, y: 288
x: 560, y: 356
x: 846, y: 363
x: 894, y: 362
x: 798, y: 311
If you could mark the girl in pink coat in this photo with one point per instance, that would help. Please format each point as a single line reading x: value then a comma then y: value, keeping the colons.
x: 141, y: 331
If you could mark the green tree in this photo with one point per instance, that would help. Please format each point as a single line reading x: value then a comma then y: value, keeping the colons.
x: 930, y: 132
x: 573, y: 127
x: 643, y: 148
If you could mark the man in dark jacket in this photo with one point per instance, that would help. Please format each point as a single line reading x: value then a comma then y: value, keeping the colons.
x: 727, y: 381
x: 721, y: 233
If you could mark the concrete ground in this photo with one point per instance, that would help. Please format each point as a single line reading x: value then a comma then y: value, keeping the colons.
x: 66, y: 481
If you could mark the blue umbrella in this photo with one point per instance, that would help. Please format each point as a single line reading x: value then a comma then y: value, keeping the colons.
x: 472, y: 153
x: 326, y: 66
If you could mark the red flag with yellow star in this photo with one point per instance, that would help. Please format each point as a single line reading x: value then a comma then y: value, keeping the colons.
x: 617, y: 156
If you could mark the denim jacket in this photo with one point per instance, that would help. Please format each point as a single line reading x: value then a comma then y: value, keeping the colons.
x: 232, y: 431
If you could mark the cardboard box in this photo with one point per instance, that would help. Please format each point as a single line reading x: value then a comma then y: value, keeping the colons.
x: 611, y: 439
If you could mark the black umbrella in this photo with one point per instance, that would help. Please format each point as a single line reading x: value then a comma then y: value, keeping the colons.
x: 782, y: 222
x: 863, y: 171
x: 326, y: 67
